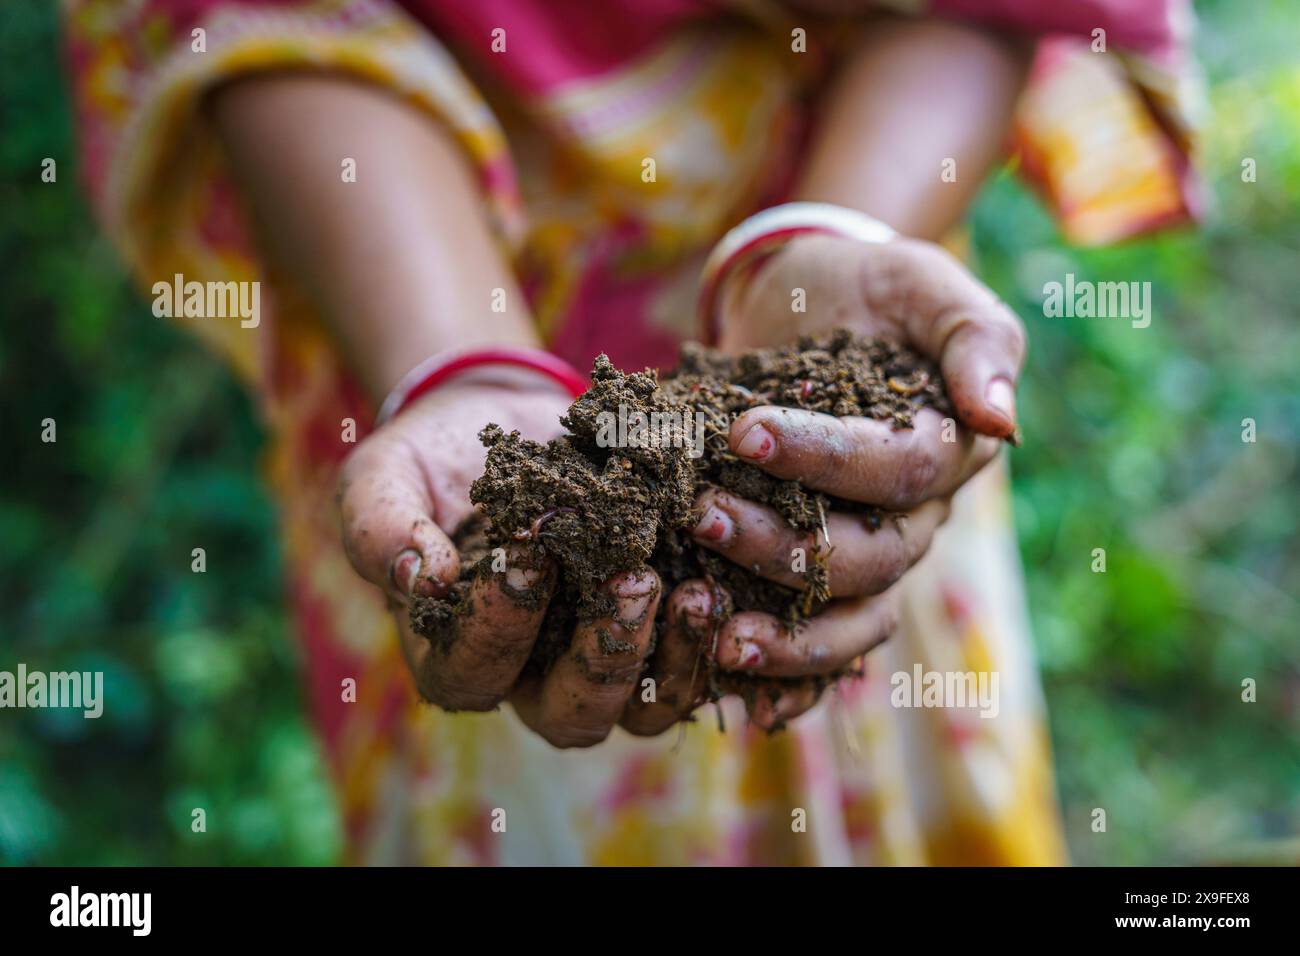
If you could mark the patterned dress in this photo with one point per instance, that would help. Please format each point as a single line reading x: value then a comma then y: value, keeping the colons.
x: 557, y: 126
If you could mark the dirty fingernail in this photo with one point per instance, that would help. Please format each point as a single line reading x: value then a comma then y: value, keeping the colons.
x: 636, y: 584
x: 1001, y: 396
x: 406, y: 569
x: 696, y: 604
x: 632, y: 609
x: 523, y: 570
x: 716, y: 526
x: 757, y: 444
x: 521, y: 579
x: 634, y: 596
x: 751, y: 655
x: 632, y: 604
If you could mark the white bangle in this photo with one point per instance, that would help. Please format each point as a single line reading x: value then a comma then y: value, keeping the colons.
x: 765, y: 232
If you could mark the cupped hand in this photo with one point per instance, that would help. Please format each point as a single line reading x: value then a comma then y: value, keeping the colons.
x: 402, y: 494
x: 918, y: 294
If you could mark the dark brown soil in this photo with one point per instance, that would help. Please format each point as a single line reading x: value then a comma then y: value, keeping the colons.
x: 597, y: 510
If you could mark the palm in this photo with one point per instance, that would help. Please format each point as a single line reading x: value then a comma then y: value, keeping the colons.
x: 439, y: 440
x: 808, y: 286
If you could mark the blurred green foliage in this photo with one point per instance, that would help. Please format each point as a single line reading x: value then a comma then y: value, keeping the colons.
x: 157, y: 453
x: 1133, y: 444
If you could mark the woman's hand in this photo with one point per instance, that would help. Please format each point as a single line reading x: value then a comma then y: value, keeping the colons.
x: 911, y: 291
x: 403, y: 262
x: 402, y: 494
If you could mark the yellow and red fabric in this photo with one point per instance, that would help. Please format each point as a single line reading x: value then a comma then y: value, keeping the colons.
x: 557, y: 127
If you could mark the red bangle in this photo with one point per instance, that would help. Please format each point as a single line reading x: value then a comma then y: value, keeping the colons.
x: 437, y: 369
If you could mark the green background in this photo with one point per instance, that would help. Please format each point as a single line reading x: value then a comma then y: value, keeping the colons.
x: 1133, y: 444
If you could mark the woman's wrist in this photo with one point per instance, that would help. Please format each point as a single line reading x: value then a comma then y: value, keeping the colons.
x: 513, y: 368
x: 744, y: 251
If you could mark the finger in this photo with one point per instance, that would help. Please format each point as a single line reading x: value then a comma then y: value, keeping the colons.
x: 772, y: 705
x: 583, y: 695
x: 678, y: 667
x: 957, y: 320
x: 860, y: 459
x: 476, y: 666
x: 389, y: 533
x: 757, y: 643
x: 862, y: 558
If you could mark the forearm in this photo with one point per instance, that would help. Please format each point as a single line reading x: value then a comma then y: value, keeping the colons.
x: 401, y: 262
x: 916, y: 93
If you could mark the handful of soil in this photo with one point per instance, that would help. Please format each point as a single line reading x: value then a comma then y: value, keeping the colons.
x: 616, y: 493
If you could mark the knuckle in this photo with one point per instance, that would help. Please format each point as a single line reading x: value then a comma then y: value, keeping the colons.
x: 621, y: 666
x: 869, y: 569
x: 764, y: 549
x: 917, y: 469
x: 833, y: 456
x: 452, y: 695
x: 890, y: 568
x: 489, y: 650
x: 815, y: 657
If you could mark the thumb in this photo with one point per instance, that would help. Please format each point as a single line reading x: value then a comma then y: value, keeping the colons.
x: 388, y: 529
x: 956, y: 320
x: 980, y: 359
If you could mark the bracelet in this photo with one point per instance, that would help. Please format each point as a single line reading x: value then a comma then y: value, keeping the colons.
x: 437, y: 369
x: 748, y: 244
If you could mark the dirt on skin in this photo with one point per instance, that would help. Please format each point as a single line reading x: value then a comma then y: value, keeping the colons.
x: 605, y: 499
